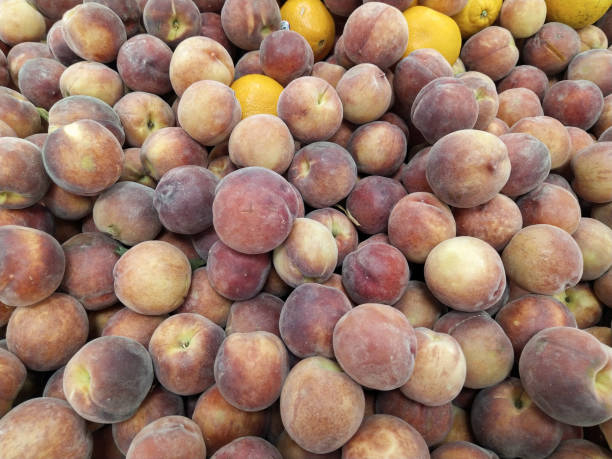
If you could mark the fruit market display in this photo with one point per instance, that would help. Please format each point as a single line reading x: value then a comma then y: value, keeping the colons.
x: 298, y: 229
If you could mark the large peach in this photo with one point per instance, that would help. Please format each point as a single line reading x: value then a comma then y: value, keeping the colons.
x: 39, y: 81
x: 550, y: 131
x: 593, y: 65
x: 525, y: 76
x: 576, y: 103
x: 171, y: 22
x: 592, y: 167
x: 523, y: 18
x: 595, y: 241
x: 285, y: 55
x: 88, y: 78
x: 247, y: 23
x: 550, y: 204
x: 530, y: 162
x: 552, y: 48
x: 143, y: 62
x: 491, y: 51
x: 22, y: 22
x: 518, y: 103
x: 378, y: 147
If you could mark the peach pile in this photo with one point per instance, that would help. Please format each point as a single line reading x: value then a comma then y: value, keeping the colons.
x: 304, y: 229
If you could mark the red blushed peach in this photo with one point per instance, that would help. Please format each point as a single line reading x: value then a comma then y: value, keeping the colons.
x: 529, y: 160
x: 506, y: 420
x: 419, y: 305
x: 128, y: 11
x: 415, y: 240
x: 20, y: 54
x: 39, y: 81
x: 463, y: 289
x: 414, y: 176
x: 19, y: 113
x: 92, y: 79
x: 254, y: 210
x: 552, y: 205
x: 45, y: 336
x: 439, y: 369
x: 285, y: 55
x: 341, y: 227
x: 23, y: 180
x: 574, y: 103
x: 175, y: 435
x: 36, y: 216
x: 402, y: 440
x: 342, y: 7
x: 143, y: 63
x: 58, y: 46
x: 593, y: 65
x: 152, y: 278
x: 491, y: 51
x: 260, y: 313
x: 248, y: 447
x: 525, y: 76
x: 518, y: 103
x: 204, y: 300
x: 289, y: 449
x: 222, y: 423
x: 369, y: 364
x: 308, y: 318
x: 584, y: 389
x: 262, y: 140
x: 328, y: 71
x: 183, y: 349
x: 378, y: 147
x: 324, y: 173
x: 12, y: 380
x: 250, y: 369
x: 94, y: 32
x: 592, y: 167
x: 212, y: 28
x: 311, y: 108
x: 462, y: 450
x: 171, y: 22
x: 595, y: 241
x: 317, y: 387
x: 83, y: 157
x: 375, y: 273
x: 100, y: 394
x: 444, y: 105
x: 246, y: 24
x: 199, y: 58
x: 248, y: 64
x: 276, y: 286
x: 550, y: 131
x: 158, y: 403
x: 125, y: 211
x: 376, y: 33
x: 486, y: 96
x: 22, y: 22
x: 468, y: 167
x: 605, y: 119
x: 494, y: 222
x: 65, y: 205
x: 32, y: 265
x: 130, y: 324
x: 497, y: 127
x: 44, y: 427
x: 551, y: 48
x: 543, y: 259
x: 371, y: 201
x: 572, y: 448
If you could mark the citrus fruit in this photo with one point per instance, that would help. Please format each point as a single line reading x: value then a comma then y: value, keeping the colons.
x: 257, y: 94
x: 477, y: 15
x: 312, y: 20
x: 577, y: 13
x: 431, y: 29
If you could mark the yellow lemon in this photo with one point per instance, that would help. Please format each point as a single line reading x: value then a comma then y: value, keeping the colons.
x: 477, y: 15
x: 257, y: 94
x: 312, y: 20
x: 431, y: 29
x: 576, y: 13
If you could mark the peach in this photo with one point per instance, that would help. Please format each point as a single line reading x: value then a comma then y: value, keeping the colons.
x: 289, y: 449
x: 591, y: 167
x: 130, y: 324
x: 328, y: 71
x: 550, y: 131
x: 552, y: 205
x: 462, y: 450
x: 108, y: 378
x: 488, y: 351
x: 285, y: 55
x: 569, y: 449
x: 583, y: 304
x: 44, y: 427
x: 308, y: 318
x: 378, y: 147
x: 530, y: 163
x: 419, y: 305
x: 93, y: 32
x: 375, y: 33
x: 222, y: 423
x: 461, y: 180
x: 128, y: 11
x: 204, y: 300
x: 143, y: 62
x: 152, y: 278
x: 592, y: 37
x: 365, y: 93
x: 260, y: 313
x: 594, y: 239
x: 22, y: 22
x: 311, y: 108
x: 461, y: 430
x: 592, y: 65
x: 171, y: 22
x: 248, y: 447
x: 403, y: 440
x: 439, y: 369
x: 341, y: 227
x: 486, y: 96
x: 543, y: 259
x: 491, y: 51
x: 574, y: 103
x: 39, y: 81
x: 183, y: 349
x: 212, y: 28
x: 36, y: 216
x: 276, y: 286
x: 125, y: 211
x: 199, y: 58
x: 605, y: 119
x: 222, y: 166
x: 23, y: 52
x: 254, y: 209
x: 525, y: 76
x: 157, y: 404
x: 506, y: 420
x: 262, y: 140
x: 413, y: 175
x: 92, y: 79
x: 18, y: 113
x: 524, y: 317
x: 99, y: 319
x: 248, y: 64
x: 450, y: 8
x: 32, y: 265
x: 371, y: 201
x: 584, y: 387
x: 247, y: 23
x: 66, y: 205
x: 175, y: 437
x: 13, y: 378
x: 518, y: 103
x: 134, y: 170
x: 323, y: 172
x: 552, y: 48
x: 58, y: 46
x: 523, y: 18
x: 444, y: 105
x: 317, y: 387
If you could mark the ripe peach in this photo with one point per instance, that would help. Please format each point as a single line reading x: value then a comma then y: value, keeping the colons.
x: 247, y: 23
x: 593, y: 65
x: 130, y: 324
x: 171, y: 22
x: 491, y: 51
x: 591, y: 167
x: 143, y: 62
x: 574, y: 102
x: 525, y: 76
x: 22, y: 22
x: 260, y: 313
x: 552, y: 48
x: 550, y: 131
x: 285, y: 55
x: 552, y: 205
x: 378, y: 147
x: 39, y: 81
